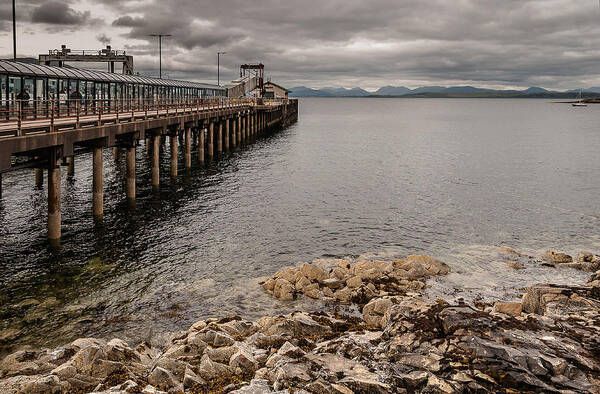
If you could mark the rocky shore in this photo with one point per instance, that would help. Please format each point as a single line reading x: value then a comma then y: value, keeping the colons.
x: 379, y: 334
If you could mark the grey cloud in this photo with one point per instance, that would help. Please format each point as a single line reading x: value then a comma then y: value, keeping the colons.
x: 370, y: 43
x: 59, y: 13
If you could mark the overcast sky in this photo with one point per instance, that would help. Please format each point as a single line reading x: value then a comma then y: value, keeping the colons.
x: 318, y: 43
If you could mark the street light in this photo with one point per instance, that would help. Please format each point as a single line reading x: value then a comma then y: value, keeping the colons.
x: 14, y: 31
x: 219, y: 67
x: 160, y: 36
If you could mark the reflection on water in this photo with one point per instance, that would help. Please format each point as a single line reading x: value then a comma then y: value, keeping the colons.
x: 453, y: 178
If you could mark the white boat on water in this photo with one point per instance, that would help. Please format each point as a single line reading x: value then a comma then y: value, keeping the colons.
x: 580, y: 103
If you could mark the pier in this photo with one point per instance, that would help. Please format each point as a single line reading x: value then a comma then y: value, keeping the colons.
x: 47, y: 138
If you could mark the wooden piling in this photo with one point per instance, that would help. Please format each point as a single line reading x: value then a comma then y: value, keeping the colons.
x: 130, y: 188
x: 201, y: 145
x: 71, y: 165
x: 211, y: 139
x: 227, y: 134
x: 39, y: 177
x: 174, y: 150
x: 220, y: 137
x: 156, y: 162
x: 188, y: 147
x: 54, y: 230
x: 97, y: 184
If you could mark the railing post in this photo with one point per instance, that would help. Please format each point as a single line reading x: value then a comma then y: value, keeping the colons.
x: 52, y: 116
x: 19, y: 117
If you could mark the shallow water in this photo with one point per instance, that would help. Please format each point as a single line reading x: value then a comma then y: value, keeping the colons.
x: 452, y: 178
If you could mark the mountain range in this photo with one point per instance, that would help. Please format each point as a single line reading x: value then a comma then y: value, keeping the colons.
x: 435, y: 91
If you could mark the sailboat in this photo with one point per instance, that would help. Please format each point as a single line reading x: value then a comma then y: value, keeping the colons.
x: 580, y: 103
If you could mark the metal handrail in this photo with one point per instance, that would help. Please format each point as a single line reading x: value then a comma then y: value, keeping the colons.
x: 33, y: 112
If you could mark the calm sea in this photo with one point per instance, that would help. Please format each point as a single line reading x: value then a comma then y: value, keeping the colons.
x: 383, y: 177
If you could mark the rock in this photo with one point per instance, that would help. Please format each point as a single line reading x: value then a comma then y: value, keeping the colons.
x: 515, y: 265
x: 343, y: 295
x: 553, y: 257
x: 256, y: 386
x: 218, y: 338
x: 222, y: 354
x: 557, y: 301
x: 313, y: 272
x: 191, y: 380
x: 438, y: 385
x: 354, y: 282
x: 333, y: 283
x: 269, y: 285
x: 371, y: 270
x: 313, y: 291
x: 209, y: 370
x: 118, y: 350
x: 509, y: 250
x: 85, y: 358
x: 585, y: 258
x: 9, y: 334
x: 302, y: 283
x: 364, y: 385
x: 509, y: 308
x: 46, y: 384
x: 284, y: 290
x: 291, y: 351
x: 239, y: 328
x: 287, y: 274
x: 242, y: 362
x: 374, y: 312
x: 432, y: 265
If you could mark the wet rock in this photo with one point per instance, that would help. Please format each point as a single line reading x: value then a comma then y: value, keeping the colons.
x: 45, y: 384
x: 509, y: 308
x: 284, y: 290
x: 557, y: 301
x: 313, y: 272
x: 553, y: 257
x: 287, y: 274
x: 585, y: 258
x: 432, y: 265
x: 509, y: 250
x: 515, y: 265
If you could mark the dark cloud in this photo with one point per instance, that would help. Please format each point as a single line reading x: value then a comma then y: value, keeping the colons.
x: 554, y: 43
x: 59, y: 13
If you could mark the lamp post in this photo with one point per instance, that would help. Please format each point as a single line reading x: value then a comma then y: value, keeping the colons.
x: 219, y: 67
x: 14, y: 15
x: 160, y: 36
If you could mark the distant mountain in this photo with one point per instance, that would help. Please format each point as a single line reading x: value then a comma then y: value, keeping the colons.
x: 303, y: 91
x: 428, y: 89
x: 393, y: 91
x: 534, y: 89
x: 440, y: 91
x: 343, y: 92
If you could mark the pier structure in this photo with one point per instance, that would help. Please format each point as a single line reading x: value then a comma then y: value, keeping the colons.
x: 50, y: 141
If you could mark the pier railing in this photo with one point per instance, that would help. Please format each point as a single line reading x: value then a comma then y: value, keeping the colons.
x: 22, y: 116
